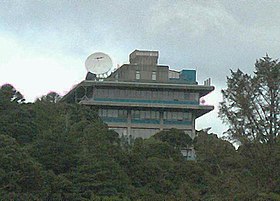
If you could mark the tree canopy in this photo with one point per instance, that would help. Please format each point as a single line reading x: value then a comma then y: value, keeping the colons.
x: 51, y: 150
x: 251, y: 104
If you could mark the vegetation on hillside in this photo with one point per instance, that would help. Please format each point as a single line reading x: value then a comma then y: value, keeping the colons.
x: 57, y: 151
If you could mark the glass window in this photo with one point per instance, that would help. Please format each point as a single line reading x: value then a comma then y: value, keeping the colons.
x: 122, y: 113
x: 103, y: 113
x: 176, y: 95
x: 165, y: 95
x: 180, y: 116
x: 170, y: 95
x: 157, y: 114
x: 117, y: 93
x: 137, y: 75
x: 148, y: 94
x: 100, y: 112
x: 187, y: 116
x: 137, y: 94
x: 174, y: 115
x: 143, y: 94
x: 169, y: 115
x: 135, y: 114
x: 142, y: 114
x: 148, y: 114
x: 187, y: 96
x: 155, y: 94
x: 153, y: 115
x: 154, y: 75
x: 191, y: 96
x: 112, y: 113
x: 121, y: 93
x: 164, y: 115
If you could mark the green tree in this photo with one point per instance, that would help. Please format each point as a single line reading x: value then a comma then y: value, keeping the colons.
x: 16, y: 117
x: 51, y: 97
x: 9, y: 93
x: 21, y: 176
x: 174, y: 137
x: 251, y: 104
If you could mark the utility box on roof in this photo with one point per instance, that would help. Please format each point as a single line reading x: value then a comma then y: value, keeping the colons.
x: 188, y: 75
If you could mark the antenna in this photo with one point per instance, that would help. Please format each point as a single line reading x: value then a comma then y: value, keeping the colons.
x: 99, y: 64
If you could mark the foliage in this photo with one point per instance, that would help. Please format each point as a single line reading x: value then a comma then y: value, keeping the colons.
x: 59, y: 151
x: 9, y: 94
x: 51, y: 97
x: 251, y: 104
x: 175, y: 138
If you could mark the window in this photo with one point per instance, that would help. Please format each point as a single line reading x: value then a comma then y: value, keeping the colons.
x: 137, y: 75
x: 102, y: 112
x: 180, y: 116
x: 112, y: 113
x: 187, y: 96
x: 122, y: 113
x: 187, y: 116
x: 142, y: 114
x: 135, y: 114
x: 148, y: 114
x: 191, y: 96
x: 137, y: 94
x: 154, y: 75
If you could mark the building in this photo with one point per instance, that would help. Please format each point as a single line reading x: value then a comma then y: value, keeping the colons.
x: 142, y: 98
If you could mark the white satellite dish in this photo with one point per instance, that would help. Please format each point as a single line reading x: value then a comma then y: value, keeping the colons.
x: 99, y: 64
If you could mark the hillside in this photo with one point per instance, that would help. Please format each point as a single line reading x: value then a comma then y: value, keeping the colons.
x: 59, y: 151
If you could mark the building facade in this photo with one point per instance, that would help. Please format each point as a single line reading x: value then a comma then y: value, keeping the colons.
x: 142, y: 98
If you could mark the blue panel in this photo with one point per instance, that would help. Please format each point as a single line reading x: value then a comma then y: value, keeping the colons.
x: 114, y: 119
x: 146, y: 101
x: 145, y: 121
x: 177, y: 122
x: 188, y: 75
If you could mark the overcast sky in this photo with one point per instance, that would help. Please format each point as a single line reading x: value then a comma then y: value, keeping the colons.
x: 43, y: 44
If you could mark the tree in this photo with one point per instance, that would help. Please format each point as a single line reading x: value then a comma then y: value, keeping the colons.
x: 9, y: 93
x: 20, y: 174
x: 175, y: 138
x: 51, y: 97
x: 250, y: 104
x: 15, y: 115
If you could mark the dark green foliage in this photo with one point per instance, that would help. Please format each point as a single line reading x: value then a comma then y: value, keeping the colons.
x: 175, y: 138
x: 51, y: 97
x: 251, y: 104
x: 20, y: 174
x: 8, y: 94
x: 58, y: 151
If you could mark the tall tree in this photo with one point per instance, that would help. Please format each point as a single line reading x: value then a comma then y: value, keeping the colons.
x: 251, y: 103
x: 51, y: 97
x: 9, y: 93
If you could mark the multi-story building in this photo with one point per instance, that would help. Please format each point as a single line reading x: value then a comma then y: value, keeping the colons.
x: 142, y: 98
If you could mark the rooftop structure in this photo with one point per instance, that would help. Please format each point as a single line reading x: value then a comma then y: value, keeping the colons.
x: 142, y: 98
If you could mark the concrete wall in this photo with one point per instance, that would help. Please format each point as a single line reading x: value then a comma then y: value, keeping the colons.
x: 127, y: 72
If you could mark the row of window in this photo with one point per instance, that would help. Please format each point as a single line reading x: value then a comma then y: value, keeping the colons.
x: 145, y: 114
x: 138, y: 75
x: 181, y: 116
x: 145, y: 94
x: 112, y: 113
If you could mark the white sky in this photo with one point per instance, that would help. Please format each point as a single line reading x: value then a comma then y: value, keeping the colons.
x: 43, y: 44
